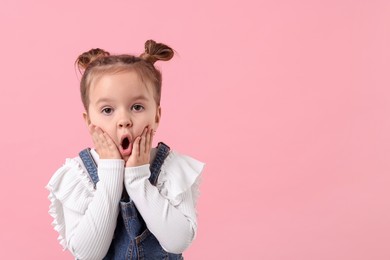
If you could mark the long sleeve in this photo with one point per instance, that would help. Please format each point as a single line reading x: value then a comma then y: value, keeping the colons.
x: 168, y: 208
x: 86, y: 217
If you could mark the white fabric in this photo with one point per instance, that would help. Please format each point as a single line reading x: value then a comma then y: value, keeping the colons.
x: 85, y: 218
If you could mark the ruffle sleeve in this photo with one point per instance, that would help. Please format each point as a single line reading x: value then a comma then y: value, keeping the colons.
x: 179, y: 173
x: 71, y: 186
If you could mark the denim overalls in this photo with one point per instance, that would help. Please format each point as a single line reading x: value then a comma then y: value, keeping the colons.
x: 132, y: 239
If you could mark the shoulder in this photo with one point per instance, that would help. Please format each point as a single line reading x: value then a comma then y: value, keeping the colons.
x: 70, y: 175
x: 70, y: 186
x: 179, y: 174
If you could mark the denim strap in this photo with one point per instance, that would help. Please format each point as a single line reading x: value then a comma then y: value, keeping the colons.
x: 155, y: 167
x: 90, y: 165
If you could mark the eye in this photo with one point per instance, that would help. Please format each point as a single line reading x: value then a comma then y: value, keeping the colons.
x: 107, y: 110
x: 137, y: 108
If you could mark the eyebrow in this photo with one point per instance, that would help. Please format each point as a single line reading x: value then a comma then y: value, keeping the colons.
x: 103, y: 100
x: 106, y: 99
x: 140, y: 97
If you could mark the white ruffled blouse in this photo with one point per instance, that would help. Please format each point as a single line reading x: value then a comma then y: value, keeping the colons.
x: 85, y: 216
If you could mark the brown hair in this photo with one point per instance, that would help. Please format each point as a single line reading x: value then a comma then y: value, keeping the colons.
x: 96, y: 62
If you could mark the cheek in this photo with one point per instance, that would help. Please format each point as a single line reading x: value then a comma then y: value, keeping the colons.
x: 152, y: 120
x: 139, y: 126
x: 95, y: 119
x: 99, y: 121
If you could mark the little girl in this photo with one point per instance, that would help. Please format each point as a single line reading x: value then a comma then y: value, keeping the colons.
x: 124, y: 199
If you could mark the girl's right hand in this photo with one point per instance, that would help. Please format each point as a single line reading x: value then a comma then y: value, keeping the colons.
x: 104, y: 145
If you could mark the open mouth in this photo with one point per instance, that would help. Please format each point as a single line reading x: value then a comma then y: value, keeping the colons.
x: 125, y: 143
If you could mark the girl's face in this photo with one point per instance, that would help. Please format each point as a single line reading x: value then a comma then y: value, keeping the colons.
x: 122, y: 106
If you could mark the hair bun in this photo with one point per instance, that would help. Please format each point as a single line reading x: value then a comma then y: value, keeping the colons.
x: 89, y: 56
x: 156, y: 51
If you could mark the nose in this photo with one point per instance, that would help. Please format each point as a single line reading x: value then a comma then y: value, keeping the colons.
x: 124, y: 123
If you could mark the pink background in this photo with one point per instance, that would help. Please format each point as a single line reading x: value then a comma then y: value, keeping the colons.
x: 288, y: 103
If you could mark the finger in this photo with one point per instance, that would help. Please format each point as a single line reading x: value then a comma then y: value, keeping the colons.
x: 111, y: 146
x: 143, y: 140
x: 95, y: 136
x: 107, y: 140
x: 104, y: 141
x: 110, y: 142
x: 100, y: 137
x: 95, y: 139
x: 136, y: 146
x: 149, y: 141
x: 152, y: 132
x: 106, y: 137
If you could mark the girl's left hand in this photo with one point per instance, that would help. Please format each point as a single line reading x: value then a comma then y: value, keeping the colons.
x: 142, y: 146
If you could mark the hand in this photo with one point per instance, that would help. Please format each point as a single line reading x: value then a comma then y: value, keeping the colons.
x: 104, y: 145
x: 142, y: 146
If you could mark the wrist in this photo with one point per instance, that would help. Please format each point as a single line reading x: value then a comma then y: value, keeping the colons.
x: 134, y: 165
x: 137, y: 172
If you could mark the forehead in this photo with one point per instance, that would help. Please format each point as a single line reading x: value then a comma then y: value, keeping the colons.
x: 119, y: 83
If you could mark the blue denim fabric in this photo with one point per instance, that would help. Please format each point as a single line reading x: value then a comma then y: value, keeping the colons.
x: 132, y: 239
